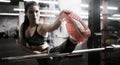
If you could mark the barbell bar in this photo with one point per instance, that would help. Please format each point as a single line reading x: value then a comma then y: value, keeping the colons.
x: 46, y: 55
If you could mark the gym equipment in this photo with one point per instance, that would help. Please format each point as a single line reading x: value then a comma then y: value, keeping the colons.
x: 40, y: 56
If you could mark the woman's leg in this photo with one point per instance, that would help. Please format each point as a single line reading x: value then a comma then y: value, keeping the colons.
x: 67, y: 46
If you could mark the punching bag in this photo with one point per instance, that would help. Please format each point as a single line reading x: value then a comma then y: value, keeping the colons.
x: 76, y: 27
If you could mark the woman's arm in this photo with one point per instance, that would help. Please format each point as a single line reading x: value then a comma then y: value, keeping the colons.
x: 55, y: 25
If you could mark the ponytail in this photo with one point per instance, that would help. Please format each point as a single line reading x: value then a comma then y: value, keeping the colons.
x: 25, y: 25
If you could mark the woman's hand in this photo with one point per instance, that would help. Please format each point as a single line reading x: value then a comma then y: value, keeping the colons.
x: 62, y: 14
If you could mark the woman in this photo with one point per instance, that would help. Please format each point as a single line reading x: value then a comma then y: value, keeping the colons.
x: 32, y: 34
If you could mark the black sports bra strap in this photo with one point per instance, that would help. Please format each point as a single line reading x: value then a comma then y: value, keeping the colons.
x: 36, y: 29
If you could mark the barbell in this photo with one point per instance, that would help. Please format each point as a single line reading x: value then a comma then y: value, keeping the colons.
x: 48, y: 55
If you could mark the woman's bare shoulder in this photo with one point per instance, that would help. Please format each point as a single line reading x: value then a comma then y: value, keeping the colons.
x: 44, y: 26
